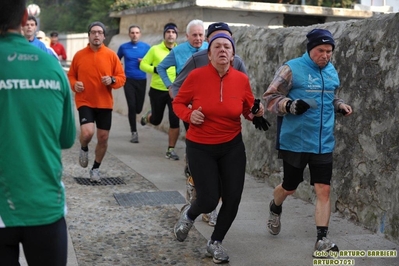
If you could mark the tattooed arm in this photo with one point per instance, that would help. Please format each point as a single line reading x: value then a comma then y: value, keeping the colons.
x: 275, y: 95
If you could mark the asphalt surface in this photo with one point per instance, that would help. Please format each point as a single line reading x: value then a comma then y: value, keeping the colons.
x: 104, y: 232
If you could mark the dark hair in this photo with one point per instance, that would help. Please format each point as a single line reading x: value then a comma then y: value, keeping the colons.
x: 33, y: 18
x: 54, y: 34
x: 134, y: 26
x: 11, y: 14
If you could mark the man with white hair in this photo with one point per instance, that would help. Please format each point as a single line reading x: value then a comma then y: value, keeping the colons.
x: 195, y: 34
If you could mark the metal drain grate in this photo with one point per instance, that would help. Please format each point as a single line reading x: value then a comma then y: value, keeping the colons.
x: 149, y: 198
x: 105, y: 181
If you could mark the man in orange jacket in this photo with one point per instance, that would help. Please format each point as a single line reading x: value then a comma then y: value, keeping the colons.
x: 94, y: 72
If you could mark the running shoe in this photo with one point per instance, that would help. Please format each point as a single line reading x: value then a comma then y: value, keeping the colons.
x: 95, y: 175
x: 205, y: 217
x: 170, y: 154
x: 213, y: 216
x: 323, y: 247
x: 135, y: 137
x: 144, y: 118
x: 83, y: 158
x: 183, y: 225
x: 274, y: 223
x: 215, y: 250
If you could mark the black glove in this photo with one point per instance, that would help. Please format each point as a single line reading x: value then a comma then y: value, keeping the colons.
x: 260, y: 123
x: 342, y: 111
x: 256, y: 106
x: 297, y: 107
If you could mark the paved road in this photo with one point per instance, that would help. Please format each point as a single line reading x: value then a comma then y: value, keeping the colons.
x: 104, y: 233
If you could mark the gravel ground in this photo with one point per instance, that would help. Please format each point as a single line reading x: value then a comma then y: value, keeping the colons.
x: 105, y: 233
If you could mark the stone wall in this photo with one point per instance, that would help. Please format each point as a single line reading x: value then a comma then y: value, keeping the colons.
x: 365, y: 186
x: 365, y: 178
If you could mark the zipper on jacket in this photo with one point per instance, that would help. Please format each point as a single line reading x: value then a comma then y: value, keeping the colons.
x: 221, y: 89
x: 321, y: 113
x: 221, y: 84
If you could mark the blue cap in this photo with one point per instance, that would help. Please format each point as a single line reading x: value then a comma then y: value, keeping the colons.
x: 170, y: 26
x: 217, y: 26
x: 222, y: 35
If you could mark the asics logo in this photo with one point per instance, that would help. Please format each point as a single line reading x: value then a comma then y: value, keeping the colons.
x: 11, y: 57
x: 324, y: 40
x: 22, y: 57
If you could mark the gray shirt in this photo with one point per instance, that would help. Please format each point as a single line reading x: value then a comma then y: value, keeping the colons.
x: 197, y: 60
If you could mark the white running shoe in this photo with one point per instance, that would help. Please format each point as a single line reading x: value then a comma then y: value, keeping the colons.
x: 95, y: 175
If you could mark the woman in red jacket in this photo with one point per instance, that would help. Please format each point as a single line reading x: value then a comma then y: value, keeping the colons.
x: 215, y: 149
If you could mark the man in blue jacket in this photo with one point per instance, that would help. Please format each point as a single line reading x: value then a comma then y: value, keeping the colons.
x: 29, y: 31
x: 302, y: 94
x: 136, y: 79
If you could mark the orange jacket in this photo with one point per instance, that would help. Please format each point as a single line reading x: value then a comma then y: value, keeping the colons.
x: 89, y: 66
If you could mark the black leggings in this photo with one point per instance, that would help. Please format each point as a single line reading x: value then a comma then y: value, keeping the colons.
x: 44, y: 245
x: 135, y: 95
x: 159, y: 100
x: 218, y: 172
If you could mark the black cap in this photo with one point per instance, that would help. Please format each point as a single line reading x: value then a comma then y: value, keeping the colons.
x: 54, y: 34
x: 217, y: 26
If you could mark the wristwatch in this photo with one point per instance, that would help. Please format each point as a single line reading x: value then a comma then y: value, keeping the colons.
x: 113, y: 80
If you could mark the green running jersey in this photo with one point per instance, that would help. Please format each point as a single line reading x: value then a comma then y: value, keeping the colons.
x: 36, y: 122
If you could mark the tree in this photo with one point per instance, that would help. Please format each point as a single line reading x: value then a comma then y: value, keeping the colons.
x: 99, y: 13
x: 74, y: 16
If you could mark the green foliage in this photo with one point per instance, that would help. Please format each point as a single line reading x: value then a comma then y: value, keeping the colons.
x: 74, y: 16
x: 120, y: 5
x: 99, y: 11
